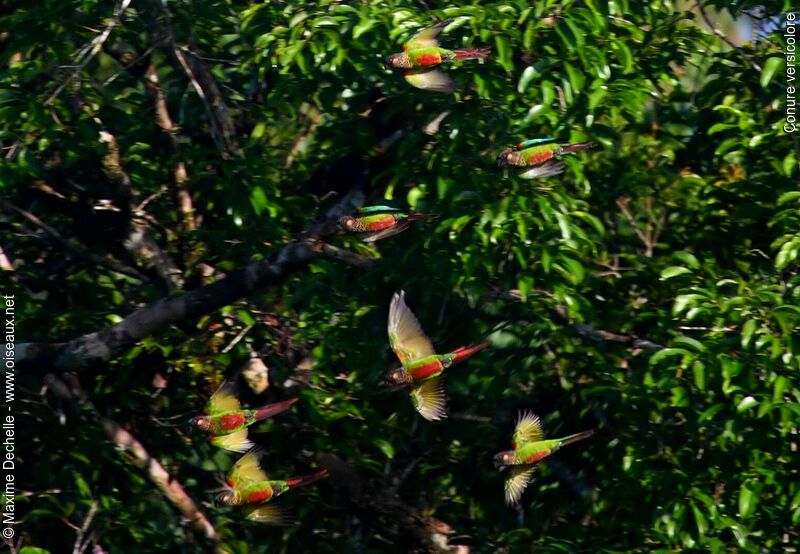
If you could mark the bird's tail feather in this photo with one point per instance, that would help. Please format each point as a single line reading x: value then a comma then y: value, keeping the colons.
x: 576, y: 437
x: 307, y: 479
x: 466, y: 351
x: 570, y: 148
x: 273, y: 409
x: 479, y: 53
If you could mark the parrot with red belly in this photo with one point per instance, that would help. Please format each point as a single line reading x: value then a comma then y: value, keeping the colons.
x: 377, y: 222
x: 422, y: 54
x: 421, y: 367
x: 528, y: 449
x: 538, y: 158
x: 248, y: 485
x: 227, y: 422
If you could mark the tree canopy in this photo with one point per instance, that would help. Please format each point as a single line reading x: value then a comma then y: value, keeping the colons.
x: 172, y: 175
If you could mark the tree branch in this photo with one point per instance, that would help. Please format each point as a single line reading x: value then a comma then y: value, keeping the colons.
x: 170, y: 487
x: 100, y: 347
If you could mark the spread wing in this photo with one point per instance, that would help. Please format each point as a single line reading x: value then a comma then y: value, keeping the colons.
x: 533, y: 142
x: 427, y: 37
x: 270, y: 513
x: 235, y: 442
x: 518, y: 479
x: 528, y: 429
x: 388, y: 232
x: 377, y: 209
x: 405, y: 334
x: 430, y: 79
x: 547, y: 169
x: 429, y: 400
x: 224, y: 400
x: 247, y: 470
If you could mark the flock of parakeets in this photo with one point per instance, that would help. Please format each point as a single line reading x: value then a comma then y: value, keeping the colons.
x: 421, y: 369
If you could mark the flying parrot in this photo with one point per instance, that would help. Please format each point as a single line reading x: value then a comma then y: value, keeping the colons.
x: 228, y: 422
x: 378, y: 222
x: 528, y: 449
x: 422, y: 54
x: 422, y: 366
x: 538, y: 158
x: 248, y: 485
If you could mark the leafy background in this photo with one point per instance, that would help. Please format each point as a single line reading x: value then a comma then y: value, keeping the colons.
x: 658, y: 276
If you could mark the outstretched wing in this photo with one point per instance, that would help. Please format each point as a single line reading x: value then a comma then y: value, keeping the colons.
x: 224, y: 400
x: 377, y: 209
x: 388, y: 232
x: 247, y: 470
x: 533, y: 142
x: 427, y: 37
x: 405, y: 334
x: 547, y: 169
x: 516, y: 483
x: 430, y: 79
x: 235, y: 442
x: 528, y: 429
x: 271, y: 514
x: 429, y: 399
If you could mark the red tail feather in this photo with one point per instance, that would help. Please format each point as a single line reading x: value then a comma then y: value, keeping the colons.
x: 466, y: 351
x: 473, y: 53
x: 577, y: 437
x: 412, y: 217
x: 272, y: 409
x: 307, y: 479
x: 570, y: 148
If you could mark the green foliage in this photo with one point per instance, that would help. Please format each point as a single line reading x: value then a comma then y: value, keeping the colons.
x: 680, y: 227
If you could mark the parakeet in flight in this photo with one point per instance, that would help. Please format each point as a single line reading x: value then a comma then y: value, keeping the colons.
x: 227, y: 422
x: 377, y: 222
x: 422, y: 366
x: 421, y: 55
x: 248, y: 485
x: 528, y: 449
x: 538, y: 158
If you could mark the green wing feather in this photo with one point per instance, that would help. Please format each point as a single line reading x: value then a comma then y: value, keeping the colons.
x: 518, y: 479
x: 430, y: 79
x: 378, y: 209
x: 224, y: 400
x: 531, y: 142
x: 247, y: 470
x: 235, y: 442
x: 547, y: 169
x: 427, y: 37
x: 429, y: 399
x: 405, y: 333
x: 528, y: 429
x: 271, y: 514
x: 388, y: 232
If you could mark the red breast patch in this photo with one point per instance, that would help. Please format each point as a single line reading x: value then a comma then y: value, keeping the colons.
x: 429, y: 59
x: 260, y: 496
x: 231, y: 421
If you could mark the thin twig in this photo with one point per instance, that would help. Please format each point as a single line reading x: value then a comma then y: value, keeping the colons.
x: 90, y: 50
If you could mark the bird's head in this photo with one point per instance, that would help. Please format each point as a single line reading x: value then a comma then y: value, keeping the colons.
x: 347, y: 222
x: 201, y: 422
x: 397, y: 377
x: 503, y: 459
x: 397, y: 61
x: 229, y: 498
x: 502, y: 157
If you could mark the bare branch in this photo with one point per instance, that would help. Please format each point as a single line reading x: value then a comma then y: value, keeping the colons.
x: 170, y: 487
x: 90, y: 50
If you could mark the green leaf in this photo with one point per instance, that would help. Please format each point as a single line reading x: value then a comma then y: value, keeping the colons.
x: 748, y: 499
x: 668, y: 353
x: 771, y: 67
x: 746, y: 403
x: 385, y: 447
x: 674, y: 271
x: 747, y: 331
